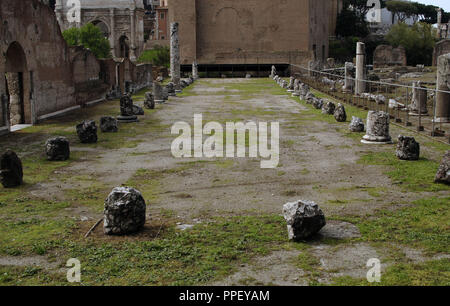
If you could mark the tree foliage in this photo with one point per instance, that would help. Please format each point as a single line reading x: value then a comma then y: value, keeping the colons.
x: 158, y: 56
x: 418, y: 41
x: 90, y: 37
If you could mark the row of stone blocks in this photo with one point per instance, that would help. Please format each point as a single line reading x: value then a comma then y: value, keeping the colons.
x: 125, y: 207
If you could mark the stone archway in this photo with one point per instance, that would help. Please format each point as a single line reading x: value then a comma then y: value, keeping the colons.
x: 17, y: 78
x: 103, y: 27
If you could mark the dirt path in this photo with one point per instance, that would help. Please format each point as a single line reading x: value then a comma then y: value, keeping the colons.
x: 317, y: 163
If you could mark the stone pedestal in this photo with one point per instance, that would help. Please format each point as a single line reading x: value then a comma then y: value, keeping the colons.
x: 274, y: 72
x: 349, y: 83
x: 419, y: 100
x: 377, y: 128
x: 360, y: 85
x: 126, y: 110
x: 175, y: 69
x: 158, y: 93
x: 443, y: 83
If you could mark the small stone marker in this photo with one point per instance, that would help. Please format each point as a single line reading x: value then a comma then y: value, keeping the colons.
x: 157, y: 93
x: 356, y: 125
x: 138, y: 111
x: 317, y: 103
x: 11, y: 172
x: 443, y: 173
x: 124, y: 211
x: 149, y: 102
x: 377, y: 128
x: 339, y: 114
x: 304, y: 219
x: 108, y: 125
x: 407, y: 148
x: 171, y: 89
x: 87, y: 131
x: 57, y: 148
x: 126, y: 110
x: 328, y: 108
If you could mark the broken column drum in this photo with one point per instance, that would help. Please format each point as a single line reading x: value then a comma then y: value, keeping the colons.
x: 377, y: 128
x: 419, y: 100
x: 443, y: 84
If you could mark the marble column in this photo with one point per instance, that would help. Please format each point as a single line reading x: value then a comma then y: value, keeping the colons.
x: 175, y: 56
x: 112, y: 35
x: 195, y: 70
x: 133, y: 35
x: 443, y: 83
x: 15, y: 103
x: 360, y: 86
x: 419, y: 100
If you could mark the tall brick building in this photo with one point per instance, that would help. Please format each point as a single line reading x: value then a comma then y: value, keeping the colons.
x: 250, y: 32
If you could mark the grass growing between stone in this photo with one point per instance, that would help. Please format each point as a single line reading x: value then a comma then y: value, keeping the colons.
x: 205, y: 253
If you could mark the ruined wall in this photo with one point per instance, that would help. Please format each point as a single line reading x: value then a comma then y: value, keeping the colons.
x: 46, y: 71
x: 441, y: 48
x: 386, y: 56
x: 251, y: 31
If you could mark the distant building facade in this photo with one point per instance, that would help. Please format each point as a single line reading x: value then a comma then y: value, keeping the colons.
x: 121, y: 21
x: 253, y: 31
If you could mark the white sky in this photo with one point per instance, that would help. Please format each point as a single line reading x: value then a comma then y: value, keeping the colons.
x: 445, y: 4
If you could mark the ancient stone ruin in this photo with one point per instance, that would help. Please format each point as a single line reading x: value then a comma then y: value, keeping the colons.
x: 356, y: 125
x: 158, y: 93
x: 11, y: 172
x: 108, y: 125
x: 360, y: 84
x: 87, y: 131
x: 175, y: 55
x: 377, y: 128
x: 339, y: 114
x: 443, y: 173
x: 387, y: 56
x: 443, y: 83
x: 419, y: 100
x: 125, y: 211
x: 304, y: 219
x: 149, y: 101
x: 328, y: 108
x: 127, y: 111
x: 407, y: 148
x: 57, y: 148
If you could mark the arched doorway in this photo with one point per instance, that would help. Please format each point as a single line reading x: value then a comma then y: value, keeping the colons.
x: 124, y: 47
x: 102, y: 26
x: 18, y: 80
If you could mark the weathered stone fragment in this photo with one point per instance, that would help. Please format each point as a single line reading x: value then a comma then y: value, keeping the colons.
x: 87, y: 131
x: 328, y: 108
x: 108, y: 125
x: 407, y: 148
x: 356, y: 125
x: 304, y: 219
x: 11, y: 172
x: 124, y: 211
x: 339, y: 114
x: 377, y: 128
x: 57, y: 148
x: 443, y: 173
x: 149, y: 102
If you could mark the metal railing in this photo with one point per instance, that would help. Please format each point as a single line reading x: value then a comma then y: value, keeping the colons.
x: 392, y: 98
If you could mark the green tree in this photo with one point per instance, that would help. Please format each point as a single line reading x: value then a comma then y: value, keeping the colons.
x: 402, y: 9
x: 90, y: 37
x: 350, y: 24
x: 158, y: 56
x: 418, y: 41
